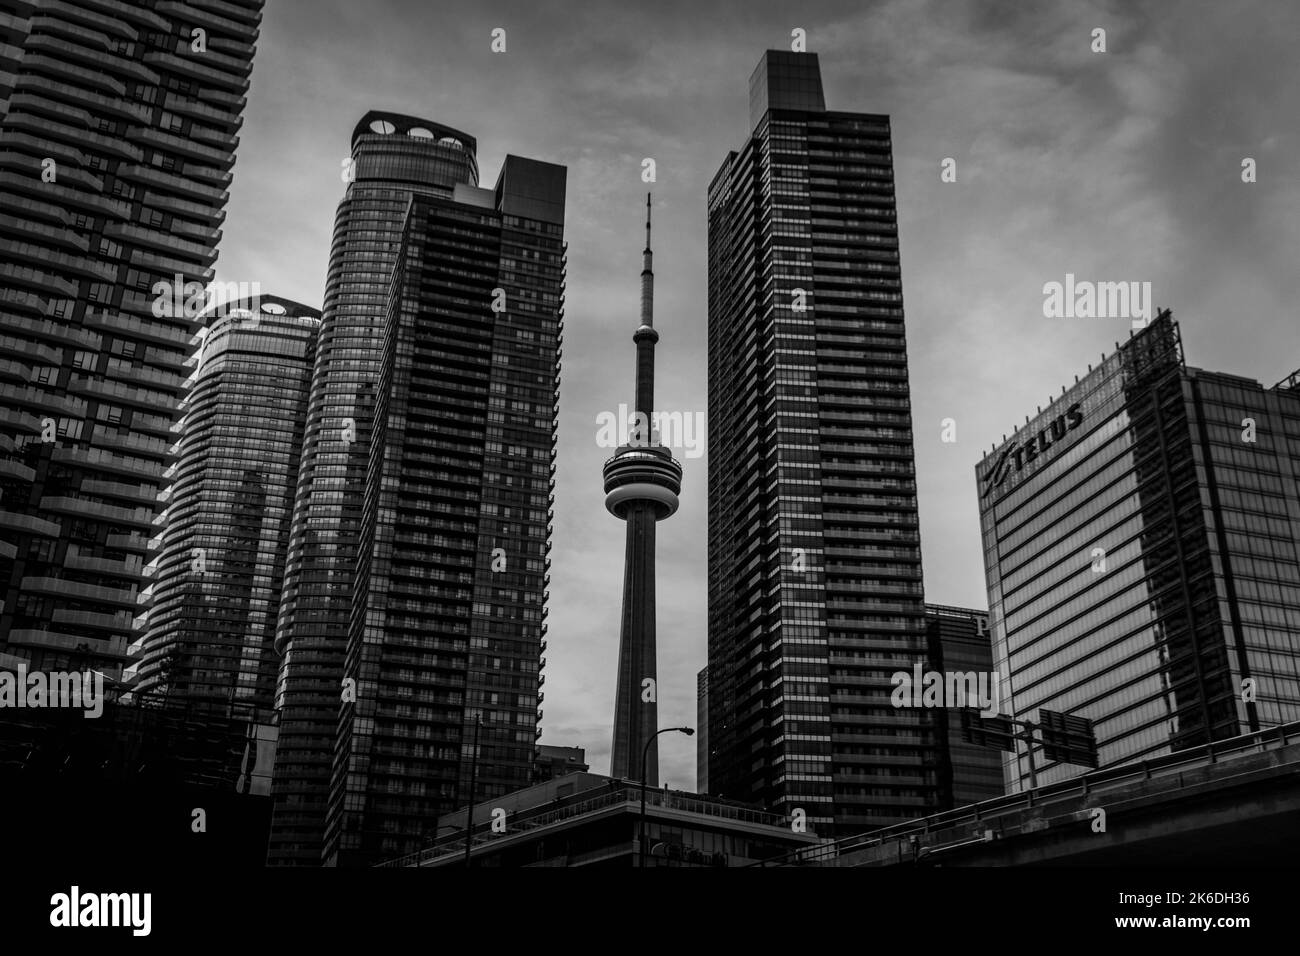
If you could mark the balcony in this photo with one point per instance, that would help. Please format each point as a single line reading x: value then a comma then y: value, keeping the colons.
x: 26, y: 276
x: 170, y: 265
x: 41, y: 23
x: 134, y: 13
x: 17, y: 470
x: 14, y: 370
x: 75, y: 561
x: 62, y: 588
x: 58, y: 236
x: 43, y: 106
x: 69, y: 68
x: 149, y: 176
x: 112, y: 648
x: 117, y: 622
x: 20, y: 301
x: 12, y: 345
x: 184, y: 146
x: 82, y: 266
x: 214, y: 16
x: 131, y: 442
x: 40, y: 144
x: 97, y: 104
x: 194, y: 70
x: 96, y: 510
x: 144, y: 493
x: 194, y: 109
x: 151, y: 330
x: 28, y: 524
x: 42, y: 401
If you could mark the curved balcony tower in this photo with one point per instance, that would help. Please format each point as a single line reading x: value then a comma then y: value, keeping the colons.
x: 642, y: 482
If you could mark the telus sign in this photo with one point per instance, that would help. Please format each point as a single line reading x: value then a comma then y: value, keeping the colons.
x: 1021, y: 453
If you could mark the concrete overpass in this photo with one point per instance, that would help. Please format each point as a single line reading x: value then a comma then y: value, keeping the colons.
x: 1234, y: 802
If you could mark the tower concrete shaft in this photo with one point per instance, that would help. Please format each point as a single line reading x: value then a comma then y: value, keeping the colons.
x: 641, y: 485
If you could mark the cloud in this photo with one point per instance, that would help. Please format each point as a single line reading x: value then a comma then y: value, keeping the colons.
x: 1123, y: 165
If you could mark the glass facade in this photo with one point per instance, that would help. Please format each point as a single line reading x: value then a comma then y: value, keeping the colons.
x: 702, y: 731
x: 394, y: 158
x: 118, y: 141
x: 448, y: 613
x: 216, y: 579
x: 1141, y: 551
x: 960, y: 642
x: 815, y: 591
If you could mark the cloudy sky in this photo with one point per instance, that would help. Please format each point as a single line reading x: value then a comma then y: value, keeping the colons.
x: 1116, y: 166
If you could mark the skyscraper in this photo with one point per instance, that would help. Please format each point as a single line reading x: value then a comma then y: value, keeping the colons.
x: 815, y: 593
x: 394, y: 158
x: 216, y: 578
x: 702, y: 725
x: 448, y: 614
x: 118, y: 136
x: 960, y: 643
x: 641, y: 484
x: 1142, y: 551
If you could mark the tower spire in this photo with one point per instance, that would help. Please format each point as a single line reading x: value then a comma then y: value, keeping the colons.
x: 647, y: 275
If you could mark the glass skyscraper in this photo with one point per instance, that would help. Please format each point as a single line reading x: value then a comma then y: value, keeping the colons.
x: 215, y: 580
x: 394, y: 158
x: 116, y: 144
x: 1142, y: 551
x: 449, y: 605
x: 815, y: 592
x: 960, y: 642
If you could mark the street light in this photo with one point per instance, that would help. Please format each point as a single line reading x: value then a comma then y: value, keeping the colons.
x: 645, y: 756
x: 473, y: 783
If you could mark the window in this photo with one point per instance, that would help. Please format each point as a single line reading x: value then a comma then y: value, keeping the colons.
x: 70, y: 427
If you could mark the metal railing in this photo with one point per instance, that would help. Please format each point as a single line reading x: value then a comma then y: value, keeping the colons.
x: 625, y: 793
x: 1168, y: 766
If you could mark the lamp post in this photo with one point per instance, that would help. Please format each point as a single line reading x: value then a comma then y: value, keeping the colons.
x: 645, y: 756
x: 473, y: 784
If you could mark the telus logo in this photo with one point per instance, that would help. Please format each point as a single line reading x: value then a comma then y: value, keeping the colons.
x: 1019, y: 453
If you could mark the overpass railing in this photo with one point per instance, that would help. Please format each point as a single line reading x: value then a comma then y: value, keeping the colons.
x: 1272, y: 738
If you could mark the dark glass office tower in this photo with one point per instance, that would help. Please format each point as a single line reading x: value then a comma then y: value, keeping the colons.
x: 815, y: 594
x: 116, y: 147
x: 960, y: 642
x: 215, y: 579
x: 448, y: 614
x: 1142, y: 550
x: 394, y: 158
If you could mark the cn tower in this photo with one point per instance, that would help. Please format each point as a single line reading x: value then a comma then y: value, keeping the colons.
x: 641, y: 485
